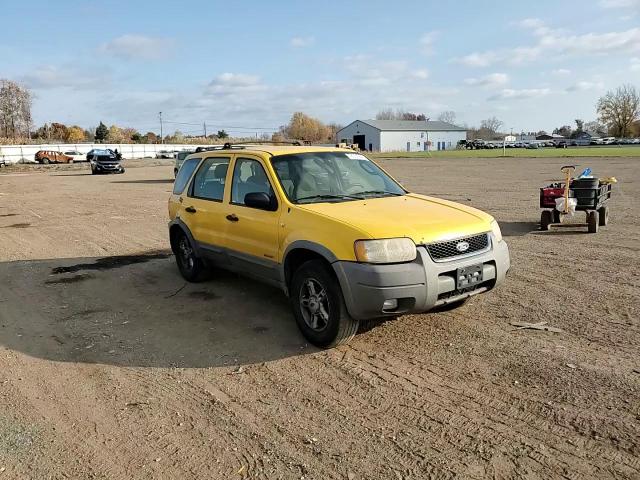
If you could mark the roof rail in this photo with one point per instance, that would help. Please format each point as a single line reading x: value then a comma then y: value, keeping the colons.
x: 229, y: 145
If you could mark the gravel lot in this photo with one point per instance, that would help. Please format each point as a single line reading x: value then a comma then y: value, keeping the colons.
x: 112, y: 367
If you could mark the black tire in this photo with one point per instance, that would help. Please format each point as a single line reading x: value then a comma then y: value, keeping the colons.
x: 557, y: 217
x: 46, y: 161
x: 545, y: 219
x: 325, y: 309
x: 93, y: 171
x: 604, y: 216
x: 593, y: 220
x: 191, y: 267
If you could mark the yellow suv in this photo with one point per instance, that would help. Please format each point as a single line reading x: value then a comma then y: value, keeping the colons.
x: 341, y: 237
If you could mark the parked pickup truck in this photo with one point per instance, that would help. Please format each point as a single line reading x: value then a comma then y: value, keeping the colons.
x: 343, y: 239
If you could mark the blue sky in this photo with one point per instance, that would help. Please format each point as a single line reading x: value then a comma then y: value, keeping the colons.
x: 251, y: 64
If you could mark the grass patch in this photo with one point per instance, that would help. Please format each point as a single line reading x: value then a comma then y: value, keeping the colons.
x: 614, y: 151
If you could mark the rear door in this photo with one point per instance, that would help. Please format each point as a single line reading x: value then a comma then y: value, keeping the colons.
x: 252, y: 234
x: 203, y: 209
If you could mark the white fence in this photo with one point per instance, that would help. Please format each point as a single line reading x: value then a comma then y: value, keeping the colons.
x: 26, y: 153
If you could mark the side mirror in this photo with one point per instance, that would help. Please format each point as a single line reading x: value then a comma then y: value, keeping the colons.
x: 260, y: 200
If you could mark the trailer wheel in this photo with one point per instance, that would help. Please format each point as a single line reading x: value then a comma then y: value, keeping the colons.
x: 545, y: 219
x: 557, y: 216
x: 593, y: 220
x: 604, y: 216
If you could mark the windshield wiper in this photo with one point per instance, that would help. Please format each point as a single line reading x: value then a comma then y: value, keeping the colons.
x: 378, y: 192
x: 328, y: 197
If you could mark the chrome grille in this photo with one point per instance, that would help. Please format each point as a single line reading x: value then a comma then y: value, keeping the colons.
x: 445, y: 250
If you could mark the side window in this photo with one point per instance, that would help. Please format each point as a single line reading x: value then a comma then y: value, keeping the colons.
x: 184, y: 175
x: 248, y: 177
x: 208, y: 182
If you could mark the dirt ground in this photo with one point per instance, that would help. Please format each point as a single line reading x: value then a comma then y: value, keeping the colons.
x: 112, y: 367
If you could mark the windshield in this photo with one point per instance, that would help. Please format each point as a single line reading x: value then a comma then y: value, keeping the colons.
x: 332, y: 177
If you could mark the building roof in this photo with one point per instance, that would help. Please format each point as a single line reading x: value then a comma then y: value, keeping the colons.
x: 412, y: 125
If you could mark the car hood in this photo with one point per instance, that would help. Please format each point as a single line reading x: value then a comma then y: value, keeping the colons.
x: 421, y: 218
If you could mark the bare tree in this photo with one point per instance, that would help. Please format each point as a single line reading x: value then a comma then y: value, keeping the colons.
x: 449, y: 117
x: 399, y: 114
x: 386, y: 114
x: 619, y: 109
x: 15, y: 109
x: 595, y: 127
x: 491, y: 125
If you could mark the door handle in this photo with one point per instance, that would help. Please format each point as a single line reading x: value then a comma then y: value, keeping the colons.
x: 190, y: 210
x: 232, y: 217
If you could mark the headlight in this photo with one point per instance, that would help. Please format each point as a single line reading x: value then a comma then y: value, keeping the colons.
x: 389, y: 250
x: 495, y: 229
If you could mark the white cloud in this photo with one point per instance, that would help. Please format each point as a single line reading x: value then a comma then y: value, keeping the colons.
x: 635, y: 64
x: 48, y: 77
x: 301, y: 42
x: 560, y: 44
x: 561, y: 72
x: 426, y: 42
x: 421, y: 74
x: 232, y: 83
x: 584, y: 85
x: 236, y: 79
x: 620, y: 3
x: 511, y: 94
x: 138, y: 47
x: 491, y: 80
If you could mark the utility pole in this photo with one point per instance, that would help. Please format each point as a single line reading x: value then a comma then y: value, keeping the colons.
x: 161, y: 136
x: 205, y: 129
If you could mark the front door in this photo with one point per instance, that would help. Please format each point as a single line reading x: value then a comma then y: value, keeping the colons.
x: 203, y: 208
x: 252, y: 234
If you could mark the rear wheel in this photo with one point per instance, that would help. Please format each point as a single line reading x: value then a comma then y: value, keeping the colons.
x: 604, y: 216
x: 190, y: 265
x: 318, y: 306
x: 593, y: 220
x: 545, y: 219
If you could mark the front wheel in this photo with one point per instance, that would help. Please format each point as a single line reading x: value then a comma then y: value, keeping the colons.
x: 593, y: 221
x: 46, y: 161
x: 318, y: 306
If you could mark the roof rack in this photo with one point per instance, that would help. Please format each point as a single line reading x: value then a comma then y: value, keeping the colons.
x: 241, y: 145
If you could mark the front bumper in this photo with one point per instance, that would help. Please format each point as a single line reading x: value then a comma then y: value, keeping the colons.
x: 417, y: 286
x: 109, y: 167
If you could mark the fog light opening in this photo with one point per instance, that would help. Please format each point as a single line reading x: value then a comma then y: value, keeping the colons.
x: 390, y: 305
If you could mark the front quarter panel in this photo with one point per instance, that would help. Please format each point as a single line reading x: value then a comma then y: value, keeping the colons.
x: 300, y: 226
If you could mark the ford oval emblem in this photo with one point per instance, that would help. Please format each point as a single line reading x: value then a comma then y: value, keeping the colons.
x: 462, y: 246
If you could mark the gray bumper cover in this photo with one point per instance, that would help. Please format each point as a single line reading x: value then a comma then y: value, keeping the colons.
x: 418, y: 286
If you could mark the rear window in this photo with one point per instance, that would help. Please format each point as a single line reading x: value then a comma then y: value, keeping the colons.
x: 184, y: 174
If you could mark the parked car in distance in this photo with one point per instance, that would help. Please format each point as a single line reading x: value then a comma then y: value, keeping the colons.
x: 561, y: 144
x: 76, y: 156
x: 165, y: 154
x: 105, y: 161
x: 180, y: 157
x: 51, y: 156
x: 609, y: 140
x: 334, y: 231
x: 533, y: 145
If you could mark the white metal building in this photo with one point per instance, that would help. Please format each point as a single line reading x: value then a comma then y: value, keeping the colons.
x: 401, y: 135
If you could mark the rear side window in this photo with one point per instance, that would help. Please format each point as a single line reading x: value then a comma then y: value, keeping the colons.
x: 184, y: 174
x: 208, y: 182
